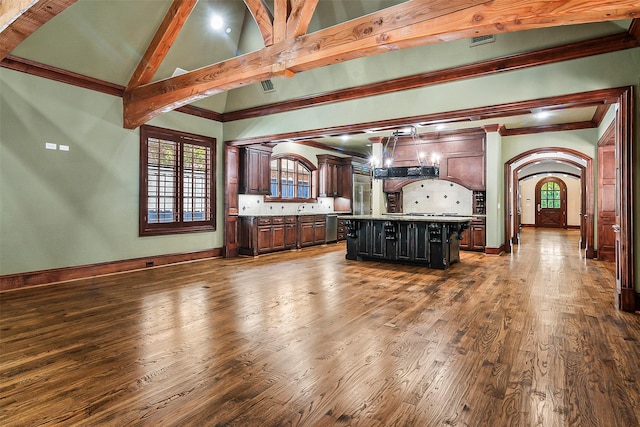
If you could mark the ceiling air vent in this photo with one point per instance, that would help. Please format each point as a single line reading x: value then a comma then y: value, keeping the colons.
x: 267, y: 86
x: 178, y: 72
x: 476, y: 41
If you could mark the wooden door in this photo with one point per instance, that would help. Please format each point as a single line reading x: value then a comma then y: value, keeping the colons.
x: 231, y: 184
x: 551, y: 203
x: 607, y: 202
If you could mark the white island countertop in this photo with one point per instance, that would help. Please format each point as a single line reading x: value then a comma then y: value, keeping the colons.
x: 409, y: 218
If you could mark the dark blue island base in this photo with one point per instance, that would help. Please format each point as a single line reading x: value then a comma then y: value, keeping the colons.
x: 430, y: 241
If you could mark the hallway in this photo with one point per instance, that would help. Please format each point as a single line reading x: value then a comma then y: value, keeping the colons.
x: 308, y: 338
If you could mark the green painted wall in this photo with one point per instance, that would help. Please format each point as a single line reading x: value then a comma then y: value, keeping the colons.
x: 400, y: 63
x: 79, y: 207
x: 598, y: 72
x: 60, y: 209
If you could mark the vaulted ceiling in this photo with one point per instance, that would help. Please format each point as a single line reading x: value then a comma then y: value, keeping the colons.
x: 162, y: 55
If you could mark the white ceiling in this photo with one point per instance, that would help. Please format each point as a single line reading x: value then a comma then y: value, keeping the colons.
x: 361, y: 142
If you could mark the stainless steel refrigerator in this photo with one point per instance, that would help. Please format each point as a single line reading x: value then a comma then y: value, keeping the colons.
x: 361, y: 195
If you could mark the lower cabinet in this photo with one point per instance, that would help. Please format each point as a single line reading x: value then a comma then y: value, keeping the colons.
x: 434, y: 244
x: 264, y: 234
x: 312, y: 230
x: 342, y: 229
x: 264, y: 239
x: 474, y: 238
x: 413, y: 241
x: 290, y: 232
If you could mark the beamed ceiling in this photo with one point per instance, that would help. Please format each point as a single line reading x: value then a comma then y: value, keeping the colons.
x: 132, y: 49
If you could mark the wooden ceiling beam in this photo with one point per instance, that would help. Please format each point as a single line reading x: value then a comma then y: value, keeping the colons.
x: 561, y: 127
x: 19, y: 19
x: 300, y: 17
x: 281, y: 11
x: 263, y: 17
x: 634, y: 28
x: 12, y: 10
x: 162, y: 41
x: 412, y: 23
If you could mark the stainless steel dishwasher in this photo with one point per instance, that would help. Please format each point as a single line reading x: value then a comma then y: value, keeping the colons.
x: 332, y: 228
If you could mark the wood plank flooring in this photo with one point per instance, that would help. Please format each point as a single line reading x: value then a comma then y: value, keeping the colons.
x: 307, y: 338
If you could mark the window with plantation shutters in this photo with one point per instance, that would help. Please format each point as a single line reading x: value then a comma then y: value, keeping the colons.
x: 177, y: 182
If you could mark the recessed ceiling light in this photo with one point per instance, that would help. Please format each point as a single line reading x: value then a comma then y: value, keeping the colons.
x: 216, y: 22
x: 542, y: 115
x: 344, y: 138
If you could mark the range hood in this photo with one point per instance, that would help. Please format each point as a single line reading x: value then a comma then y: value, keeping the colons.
x: 396, y: 172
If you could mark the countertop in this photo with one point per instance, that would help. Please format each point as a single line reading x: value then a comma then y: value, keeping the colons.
x: 409, y: 218
x: 291, y: 214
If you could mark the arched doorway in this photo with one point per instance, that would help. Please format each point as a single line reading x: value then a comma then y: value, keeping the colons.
x: 625, y: 298
x: 551, y: 203
x: 584, y: 168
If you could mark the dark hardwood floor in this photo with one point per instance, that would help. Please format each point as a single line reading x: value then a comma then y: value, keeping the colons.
x: 308, y: 338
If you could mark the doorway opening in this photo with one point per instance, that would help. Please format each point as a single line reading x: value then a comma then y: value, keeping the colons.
x: 536, y: 207
x: 625, y: 296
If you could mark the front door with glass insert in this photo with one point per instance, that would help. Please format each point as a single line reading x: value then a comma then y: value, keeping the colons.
x: 551, y: 202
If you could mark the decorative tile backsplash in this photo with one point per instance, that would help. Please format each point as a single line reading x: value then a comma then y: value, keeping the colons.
x: 255, y: 205
x: 436, y: 196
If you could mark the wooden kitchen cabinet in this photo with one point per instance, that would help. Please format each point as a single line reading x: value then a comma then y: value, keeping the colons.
x: 277, y: 233
x: 312, y: 230
x: 473, y: 238
x: 335, y: 176
x: 342, y: 229
x: 394, y: 202
x: 413, y: 241
x: 255, y: 164
x: 264, y: 234
x: 290, y: 232
x: 431, y: 243
x: 327, y: 176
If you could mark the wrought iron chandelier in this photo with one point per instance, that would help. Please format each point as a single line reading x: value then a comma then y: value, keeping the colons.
x: 387, y: 171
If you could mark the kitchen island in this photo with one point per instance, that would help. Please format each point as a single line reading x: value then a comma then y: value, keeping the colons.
x: 429, y: 240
